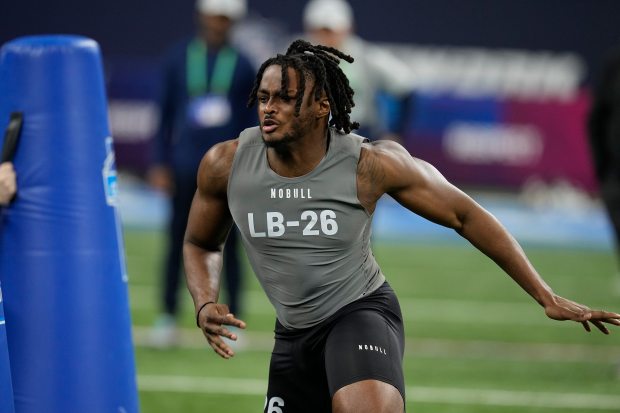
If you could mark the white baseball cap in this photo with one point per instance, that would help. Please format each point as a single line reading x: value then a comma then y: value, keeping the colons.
x: 233, y: 9
x: 328, y: 14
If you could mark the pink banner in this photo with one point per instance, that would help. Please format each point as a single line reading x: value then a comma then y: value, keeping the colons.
x: 504, y: 143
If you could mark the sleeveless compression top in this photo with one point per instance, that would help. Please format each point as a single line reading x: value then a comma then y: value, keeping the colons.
x: 308, y: 237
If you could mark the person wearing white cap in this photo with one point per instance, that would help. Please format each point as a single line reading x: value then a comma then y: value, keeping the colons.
x: 204, y: 90
x: 233, y: 9
x: 331, y: 23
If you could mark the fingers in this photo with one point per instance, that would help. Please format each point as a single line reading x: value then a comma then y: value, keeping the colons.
x: 6, y: 166
x: 601, y: 315
x: 598, y: 318
x: 600, y: 326
x: 213, y: 327
x: 586, y: 326
x: 218, y: 314
x: 214, y: 334
x: 227, y: 319
x: 564, y: 309
x: 8, y: 184
x: 219, y: 345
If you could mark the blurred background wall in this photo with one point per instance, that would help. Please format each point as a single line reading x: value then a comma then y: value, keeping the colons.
x: 503, y: 86
x: 134, y: 28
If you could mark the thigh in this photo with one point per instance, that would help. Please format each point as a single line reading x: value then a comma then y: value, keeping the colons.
x: 368, y: 396
x: 297, y: 380
x: 365, y: 345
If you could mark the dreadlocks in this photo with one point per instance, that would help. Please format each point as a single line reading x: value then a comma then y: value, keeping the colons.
x: 320, y: 62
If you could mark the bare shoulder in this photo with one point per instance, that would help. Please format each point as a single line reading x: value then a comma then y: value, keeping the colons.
x: 387, y: 149
x: 377, y: 167
x: 379, y: 160
x: 216, y: 165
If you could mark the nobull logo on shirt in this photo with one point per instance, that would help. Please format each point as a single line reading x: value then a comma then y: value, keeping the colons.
x: 290, y: 193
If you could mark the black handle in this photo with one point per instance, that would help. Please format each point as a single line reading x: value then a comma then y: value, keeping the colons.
x: 11, y: 136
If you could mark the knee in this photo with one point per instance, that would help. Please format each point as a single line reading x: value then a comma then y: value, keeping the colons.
x: 368, y: 396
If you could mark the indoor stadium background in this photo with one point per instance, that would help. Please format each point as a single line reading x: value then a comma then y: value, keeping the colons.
x: 502, y: 95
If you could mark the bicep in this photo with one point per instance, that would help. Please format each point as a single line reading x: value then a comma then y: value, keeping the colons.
x: 209, y: 221
x: 422, y: 189
x: 209, y: 218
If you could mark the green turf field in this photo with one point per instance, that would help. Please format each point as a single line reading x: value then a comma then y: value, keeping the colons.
x: 475, y: 341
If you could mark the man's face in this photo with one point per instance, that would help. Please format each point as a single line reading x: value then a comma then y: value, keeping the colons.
x: 329, y: 37
x: 276, y: 112
x: 214, y: 29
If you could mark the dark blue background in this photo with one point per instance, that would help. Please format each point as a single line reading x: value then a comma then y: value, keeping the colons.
x: 143, y: 28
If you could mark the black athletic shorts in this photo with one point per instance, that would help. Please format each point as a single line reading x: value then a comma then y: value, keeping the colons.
x: 363, y: 340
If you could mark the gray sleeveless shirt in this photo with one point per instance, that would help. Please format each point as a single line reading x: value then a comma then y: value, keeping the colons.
x: 308, y: 237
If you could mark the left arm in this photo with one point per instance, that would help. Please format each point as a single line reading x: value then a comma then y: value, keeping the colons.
x: 419, y: 187
x: 207, y: 228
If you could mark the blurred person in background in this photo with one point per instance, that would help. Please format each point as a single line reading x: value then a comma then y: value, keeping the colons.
x: 604, y: 133
x: 376, y: 71
x: 8, y: 183
x: 204, y: 91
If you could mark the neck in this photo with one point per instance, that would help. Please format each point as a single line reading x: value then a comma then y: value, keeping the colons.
x: 212, y: 42
x: 301, y: 156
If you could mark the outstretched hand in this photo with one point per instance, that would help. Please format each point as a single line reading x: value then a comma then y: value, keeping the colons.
x: 563, y: 309
x: 212, y: 320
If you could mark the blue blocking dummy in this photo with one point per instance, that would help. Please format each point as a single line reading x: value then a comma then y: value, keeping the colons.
x: 6, y: 387
x: 61, y: 255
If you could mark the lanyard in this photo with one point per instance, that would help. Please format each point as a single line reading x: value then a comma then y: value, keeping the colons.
x: 197, y: 75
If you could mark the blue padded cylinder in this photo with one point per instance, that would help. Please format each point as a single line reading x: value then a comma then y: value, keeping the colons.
x: 6, y: 386
x: 61, y: 254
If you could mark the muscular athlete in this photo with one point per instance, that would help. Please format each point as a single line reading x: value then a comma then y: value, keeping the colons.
x: 296, y: 140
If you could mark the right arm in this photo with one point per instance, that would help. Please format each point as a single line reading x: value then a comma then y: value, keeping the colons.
x: 387, y: 167
x: 207, y: 228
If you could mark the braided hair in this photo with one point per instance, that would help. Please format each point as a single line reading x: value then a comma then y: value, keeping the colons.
x: 320, y: 62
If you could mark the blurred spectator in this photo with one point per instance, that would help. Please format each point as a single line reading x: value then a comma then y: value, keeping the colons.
x: 205, y: 88
x: 8, y: 185
x: 376, y: 72
x: 604, y: 131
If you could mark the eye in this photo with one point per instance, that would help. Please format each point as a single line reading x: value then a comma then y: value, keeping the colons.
x: 263, y: 99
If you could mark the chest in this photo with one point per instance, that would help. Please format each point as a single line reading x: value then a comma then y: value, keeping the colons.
x: 313, y: 212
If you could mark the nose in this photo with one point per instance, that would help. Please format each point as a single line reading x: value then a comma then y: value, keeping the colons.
x: 269, y: 107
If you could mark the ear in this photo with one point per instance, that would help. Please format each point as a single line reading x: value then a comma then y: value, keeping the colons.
x: 324, y: 107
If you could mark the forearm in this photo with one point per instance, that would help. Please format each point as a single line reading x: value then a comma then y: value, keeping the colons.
x: 487, y: 234
x: 202, y: 272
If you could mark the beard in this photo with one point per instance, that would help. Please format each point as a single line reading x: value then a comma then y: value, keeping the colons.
x: 282, y: 145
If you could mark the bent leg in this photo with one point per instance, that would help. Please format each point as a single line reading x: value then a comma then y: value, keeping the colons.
x: 363, y: 360
x: 297, y: 382
x: 368, y: 396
